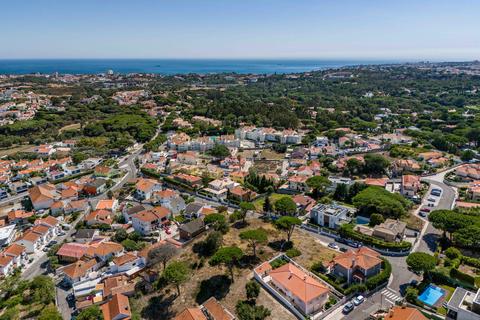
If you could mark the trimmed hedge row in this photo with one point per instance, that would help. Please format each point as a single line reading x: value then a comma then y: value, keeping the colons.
x: 473, y: 262
x: 457, y: 274
x: 380, y: 278
x: 150, y: 173
x: 346, y: 231
x: 177, y: 183
x: 441, y: 278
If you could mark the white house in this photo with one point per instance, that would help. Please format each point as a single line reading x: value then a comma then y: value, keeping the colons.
x: 7, y: 235
x: 329, y: 215
x: 6, y: 265
x: 124, y: 263
x: 31, y: 241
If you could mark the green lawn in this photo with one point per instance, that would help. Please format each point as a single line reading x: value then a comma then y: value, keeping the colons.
x: 442, y: 310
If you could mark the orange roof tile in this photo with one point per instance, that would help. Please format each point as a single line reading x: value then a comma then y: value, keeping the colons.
x: 79, y: 268
x: 216, y: 310
x: 404, y: 313
x: 298, y: 282
x: 116, y: 307
x: 14, y: 249
x: 364, y: 257
x: 191, y: 314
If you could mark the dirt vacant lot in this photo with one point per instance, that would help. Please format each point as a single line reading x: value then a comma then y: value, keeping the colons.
x: 207, y: 280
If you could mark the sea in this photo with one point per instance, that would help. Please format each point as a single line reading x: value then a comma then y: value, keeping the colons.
x: 175, y: 66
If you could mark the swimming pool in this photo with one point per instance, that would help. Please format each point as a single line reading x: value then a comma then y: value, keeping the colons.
x: 362, y: 220
x: 431, y: 295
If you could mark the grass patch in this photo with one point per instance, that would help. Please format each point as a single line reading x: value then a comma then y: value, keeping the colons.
x: 70, y: 127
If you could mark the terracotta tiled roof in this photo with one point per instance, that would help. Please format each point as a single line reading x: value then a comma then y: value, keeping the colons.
x: 145, y: 185
x: 40, y: 229
x: 404, y: 313
x: 79, y: 268
x: 42, y: 192
x: 118, y: 284
x: 191, y: 314
x: 298, y: 282
x: 5, y: 260
x: 116, y: 307
x: 103, y: 248
x: 48, y: 220
x: 100, y: 216
x: 30, y: 236
x: 380, y: 182
x: 106, y: 204
x: 14, y: 249
x: 19, y: 214
x: 73, y: 250
x: 216, y: 310
x: 364, y: 257
x: 156, y: 213
x: 126, y: 258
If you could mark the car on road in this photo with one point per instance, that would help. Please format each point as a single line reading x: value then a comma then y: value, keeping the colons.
x: 333, y: 245
x: 436, y: 192
x: 425, y: 210
x: 432, y: 199
x: 422, y: 214
x: 348, y: 308
x: 343, y: 249
x: 358, y: 300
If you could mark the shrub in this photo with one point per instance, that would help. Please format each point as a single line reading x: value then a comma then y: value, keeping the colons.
x: 253, y: 289
x: 355, y: 289
x: 411, y: 295
x: 380, y: 278
x: 277, y: 263
x: 453, y: 253
x: 473, y: 262
x: 455, y: 273
x: 292, y: 253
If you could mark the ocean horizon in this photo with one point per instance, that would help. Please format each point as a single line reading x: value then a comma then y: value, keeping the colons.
x: 176, y: 66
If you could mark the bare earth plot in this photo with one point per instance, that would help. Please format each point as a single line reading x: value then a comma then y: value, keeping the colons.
x: 207, y: 280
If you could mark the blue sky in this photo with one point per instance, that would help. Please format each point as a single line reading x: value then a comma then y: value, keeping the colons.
x: 342, y: 29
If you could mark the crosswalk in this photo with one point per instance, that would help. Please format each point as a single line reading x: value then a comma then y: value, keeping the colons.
x: 391, y: 296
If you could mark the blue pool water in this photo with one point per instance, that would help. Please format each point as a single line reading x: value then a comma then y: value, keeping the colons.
x: 431, y: 295
x: 362, y: 220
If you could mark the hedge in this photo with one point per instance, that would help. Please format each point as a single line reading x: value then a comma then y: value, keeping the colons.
x: 441, y: 278
x: 346, y: 231
x: 150, y: 173
x: 355, y: 288
x: 455, y: 273
x: 473, y: 262
x: 329, y: 281
x: 380, y: 278
x: 178, y: 183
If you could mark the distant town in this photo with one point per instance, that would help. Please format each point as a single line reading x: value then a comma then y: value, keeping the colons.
x: 349, y: 193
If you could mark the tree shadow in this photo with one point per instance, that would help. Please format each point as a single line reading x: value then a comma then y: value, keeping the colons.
x: 240, y: 225
x: 217, y: 286
x: 280, y: 245
x: 159, y: 307
x: 431, y: 240
x: 248, y: 261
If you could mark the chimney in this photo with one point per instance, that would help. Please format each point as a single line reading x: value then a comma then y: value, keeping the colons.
x: 353, y: 262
